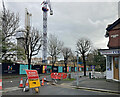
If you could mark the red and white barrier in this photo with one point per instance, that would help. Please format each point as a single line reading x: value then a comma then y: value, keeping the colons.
x: 0, y: 84
x: 58, y: 75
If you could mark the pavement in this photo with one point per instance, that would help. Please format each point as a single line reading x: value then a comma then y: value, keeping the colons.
x: 101, y: 85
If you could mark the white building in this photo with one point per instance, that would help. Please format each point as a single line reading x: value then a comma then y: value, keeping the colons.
x: 112, y: 63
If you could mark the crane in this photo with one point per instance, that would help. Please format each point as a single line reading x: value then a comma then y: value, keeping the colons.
x: 45, y: 3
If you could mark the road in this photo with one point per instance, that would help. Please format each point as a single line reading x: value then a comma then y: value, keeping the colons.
x: 10, y: 87
x: 15, y: 81
x: 55, y: 90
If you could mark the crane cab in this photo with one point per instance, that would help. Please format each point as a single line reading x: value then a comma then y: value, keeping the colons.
x: 44, y: 9
x: 51, y: 12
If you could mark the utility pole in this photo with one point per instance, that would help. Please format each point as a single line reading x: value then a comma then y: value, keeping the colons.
x: 77, y: 68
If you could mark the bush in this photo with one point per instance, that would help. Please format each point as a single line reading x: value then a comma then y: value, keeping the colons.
x: 103, y: 69
x: 97, y: 69
x: 100, y: 70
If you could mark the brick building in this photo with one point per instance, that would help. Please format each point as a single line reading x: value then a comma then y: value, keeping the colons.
x: 113, y: 53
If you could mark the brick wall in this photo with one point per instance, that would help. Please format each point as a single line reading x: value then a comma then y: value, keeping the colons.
x: 114, y: 39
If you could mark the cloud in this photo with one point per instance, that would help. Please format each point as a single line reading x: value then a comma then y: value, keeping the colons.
x: 64, y: 1
x: 72, y: 21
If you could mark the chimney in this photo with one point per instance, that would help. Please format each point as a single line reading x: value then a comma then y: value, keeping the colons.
x: 119, y: 9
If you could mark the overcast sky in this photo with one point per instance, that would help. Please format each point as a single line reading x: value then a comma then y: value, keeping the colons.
x: 72, y: 20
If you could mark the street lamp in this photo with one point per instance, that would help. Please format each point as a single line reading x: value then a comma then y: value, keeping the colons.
x: 77, y: 68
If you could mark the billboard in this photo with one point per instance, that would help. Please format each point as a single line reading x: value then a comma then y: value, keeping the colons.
x: 55, y: 68
x: 60, y: 69
x: 69, y: 69
x: 23, y: 68
x: 49, y: 69
x: 9, y: 68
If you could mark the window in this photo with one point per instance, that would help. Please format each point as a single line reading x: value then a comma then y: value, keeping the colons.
x: 116, y: 62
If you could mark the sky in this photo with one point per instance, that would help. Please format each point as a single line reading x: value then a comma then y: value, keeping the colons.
x: 71, y: 20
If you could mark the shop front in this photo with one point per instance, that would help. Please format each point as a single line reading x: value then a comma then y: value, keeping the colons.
x: 112, y: 63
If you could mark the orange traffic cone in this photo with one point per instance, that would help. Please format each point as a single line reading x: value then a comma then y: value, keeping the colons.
x: 21, y: 83
x: 42, y: 82
x: 26, y: 88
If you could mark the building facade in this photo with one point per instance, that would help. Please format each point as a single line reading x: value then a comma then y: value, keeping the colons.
x: 113, y: 53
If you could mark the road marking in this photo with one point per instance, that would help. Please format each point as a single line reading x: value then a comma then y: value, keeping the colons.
x: 62, y: 84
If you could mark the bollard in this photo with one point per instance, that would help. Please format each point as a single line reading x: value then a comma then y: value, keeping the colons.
x: 89, y: 75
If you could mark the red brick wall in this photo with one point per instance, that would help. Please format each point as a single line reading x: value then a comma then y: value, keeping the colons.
x: 114, y: 39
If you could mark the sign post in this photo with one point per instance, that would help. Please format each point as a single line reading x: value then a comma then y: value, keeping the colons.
x: 33, y: 78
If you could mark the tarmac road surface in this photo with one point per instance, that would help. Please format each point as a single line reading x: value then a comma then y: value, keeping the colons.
x: 55, y: 90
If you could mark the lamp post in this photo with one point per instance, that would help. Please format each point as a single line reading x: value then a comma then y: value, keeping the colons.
x: 77, y: 68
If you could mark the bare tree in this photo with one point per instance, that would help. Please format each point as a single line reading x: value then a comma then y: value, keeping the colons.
x: 32, y: 44
x: 54, y: 47
x: 83, y: 47
x: 10, y: 23
x: 73, y: 59
x: 66, y: 54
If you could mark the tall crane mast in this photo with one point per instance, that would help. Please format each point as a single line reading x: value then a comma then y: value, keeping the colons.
x: 45, y: 10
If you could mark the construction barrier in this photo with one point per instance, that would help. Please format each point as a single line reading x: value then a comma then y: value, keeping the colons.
x: 58, y: 75
x: 0, y: 84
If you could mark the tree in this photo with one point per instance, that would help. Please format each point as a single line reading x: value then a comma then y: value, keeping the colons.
x: 66, y: 54
x: 73, y: 59
x: 32, y: 44
x: 83, y: 47
x: 54, y: 47
x: 10, y: 23
x: 95, y: 58
x: 99, y: 60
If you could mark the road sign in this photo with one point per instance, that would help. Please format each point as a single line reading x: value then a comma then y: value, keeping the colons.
x: 93, y: 67
x: 32, y: 74
x: 34, y: 83
x: 33, y: 78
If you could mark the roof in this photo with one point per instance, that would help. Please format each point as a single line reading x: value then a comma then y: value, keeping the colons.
x: 113, y: 25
